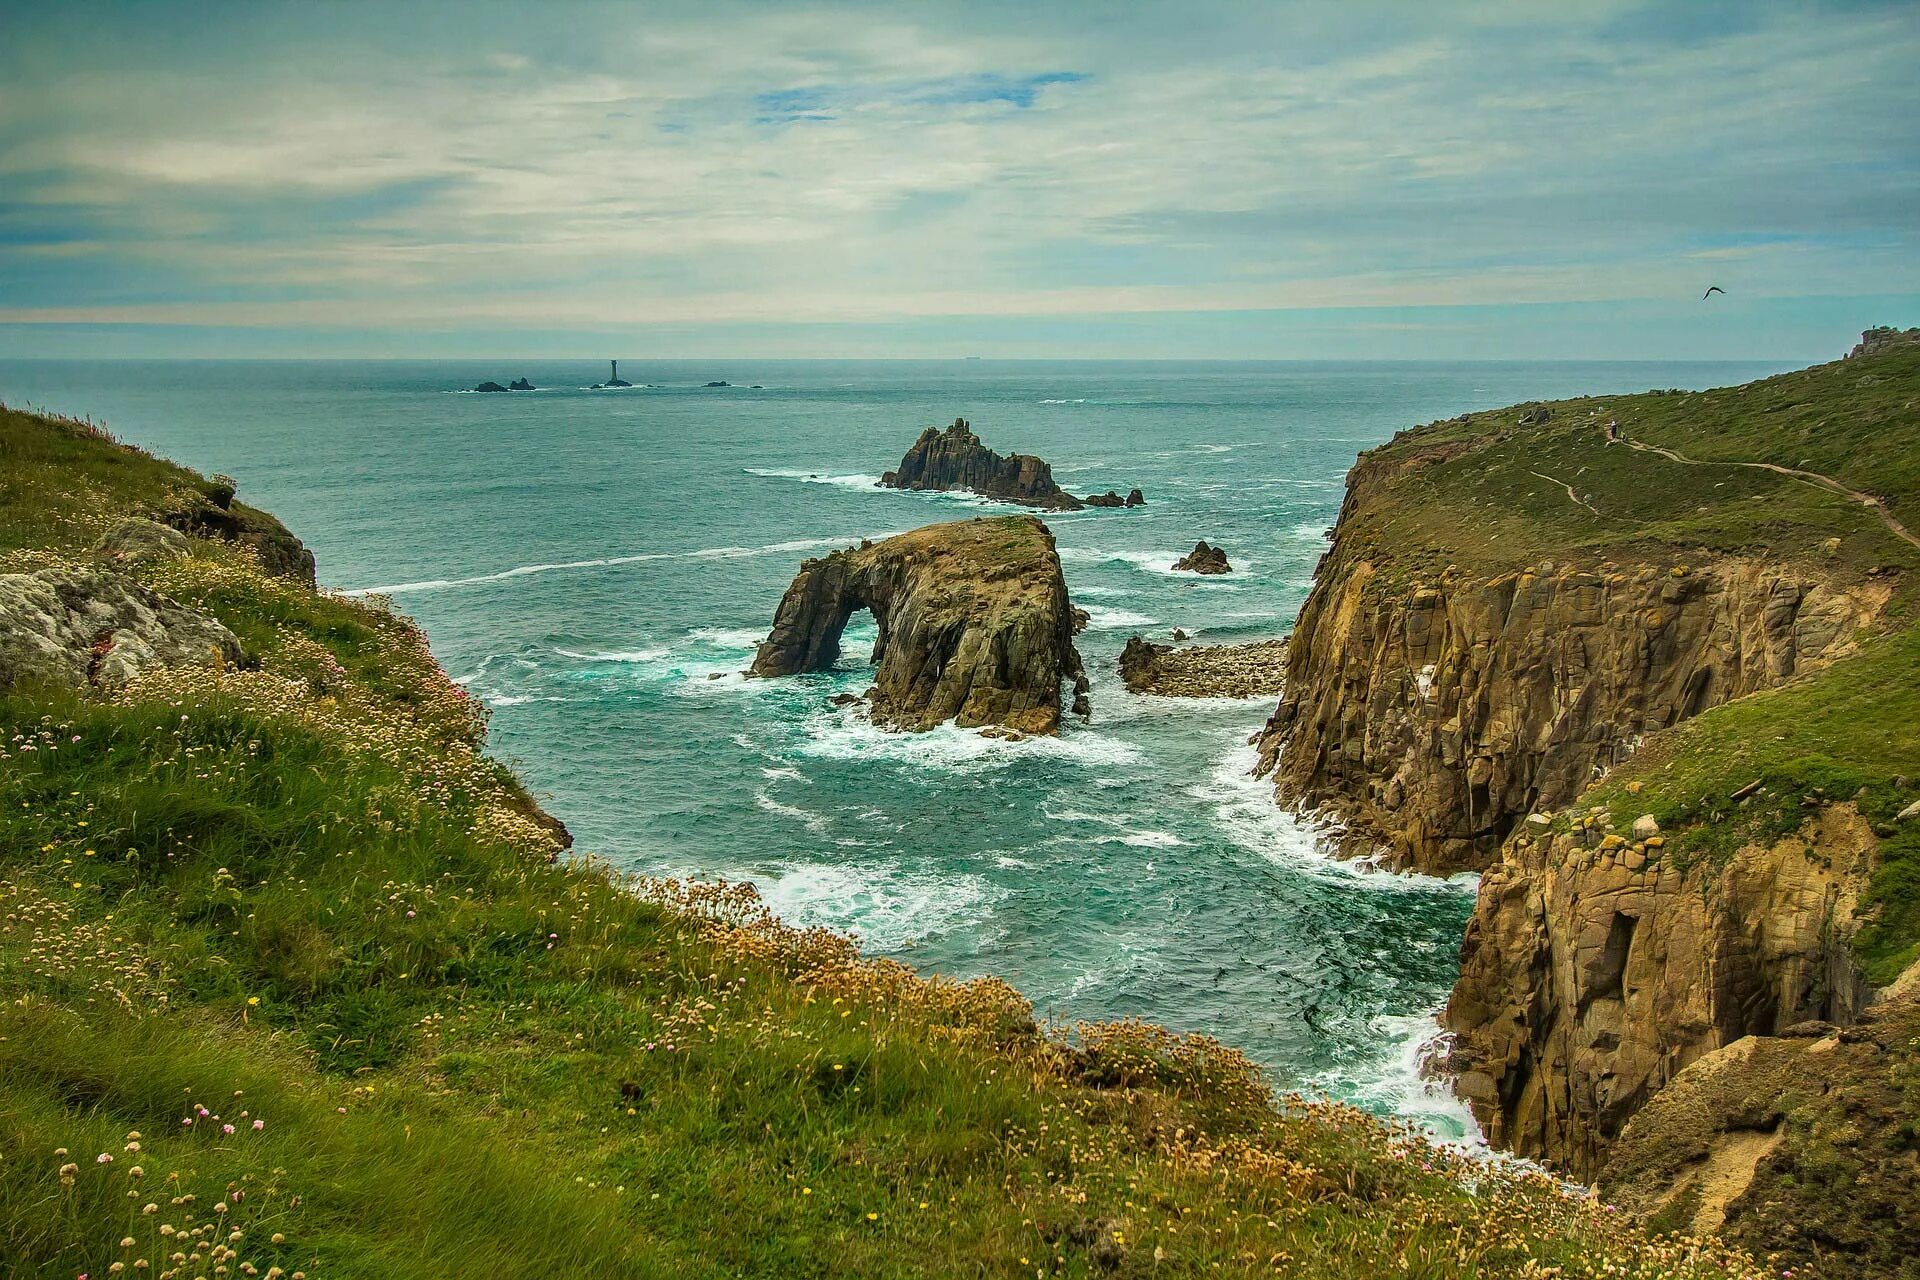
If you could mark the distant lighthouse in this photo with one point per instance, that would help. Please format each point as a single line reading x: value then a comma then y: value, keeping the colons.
x: 615, y: 375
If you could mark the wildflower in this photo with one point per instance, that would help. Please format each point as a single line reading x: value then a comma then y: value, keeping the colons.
x: 258, y: 1125
x: 103, y: 1158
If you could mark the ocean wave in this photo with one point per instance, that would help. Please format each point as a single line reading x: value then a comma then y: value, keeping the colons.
x: 814, y: 822
x: 1080, y: 400
x: 602, y: 562
x: 1158, y: 562
x: 1101, y: 618
x: 1143, y: 839
x: 615, y: 655
x: 1247, y: 814
x: 850, y: 481
x: 952, y: 749
x: 888, y: 907
x: 728, y: 637
x: 1407, y: 1079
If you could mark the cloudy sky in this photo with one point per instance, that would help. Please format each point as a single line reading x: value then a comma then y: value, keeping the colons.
x: 1238, y: 180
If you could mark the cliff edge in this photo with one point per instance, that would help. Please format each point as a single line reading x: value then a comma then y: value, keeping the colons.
x: 1649, y: 663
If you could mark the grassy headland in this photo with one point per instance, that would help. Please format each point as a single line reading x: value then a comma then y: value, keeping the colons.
x: 295, y: 983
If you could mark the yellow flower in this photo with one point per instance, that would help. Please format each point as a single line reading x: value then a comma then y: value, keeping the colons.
x: 253, y: 999
x: 873, y: 1217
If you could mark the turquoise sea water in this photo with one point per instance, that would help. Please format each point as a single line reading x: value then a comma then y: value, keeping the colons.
x: 586, y: 561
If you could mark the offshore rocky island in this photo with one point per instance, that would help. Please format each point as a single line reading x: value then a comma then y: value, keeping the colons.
x: 1647, y: 664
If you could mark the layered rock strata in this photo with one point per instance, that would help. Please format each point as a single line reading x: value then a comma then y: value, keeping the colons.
x: 1596, y: 968
x: 1433, y: 717
x: 1204, y: 671
x: 955, y: 459
x: 974, y: 621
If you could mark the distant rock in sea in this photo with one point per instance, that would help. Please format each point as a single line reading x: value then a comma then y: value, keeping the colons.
x: 955, y: 459
x: 521, y: 384
x: 719, y: 384
x: 490, y: 386
x: 1204, y: 559
x: 1134, y: 498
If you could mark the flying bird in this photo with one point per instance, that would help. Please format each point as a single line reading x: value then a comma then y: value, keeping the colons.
x: 1711, y: 290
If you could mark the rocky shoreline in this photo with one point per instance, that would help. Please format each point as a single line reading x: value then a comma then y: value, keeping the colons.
x: 1204, y: 670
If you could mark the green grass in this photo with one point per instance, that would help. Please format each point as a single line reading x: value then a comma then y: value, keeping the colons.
x: 299, y: 894
x: 1489, y: 495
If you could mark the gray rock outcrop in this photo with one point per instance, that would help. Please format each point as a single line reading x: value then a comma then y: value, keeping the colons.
x: 81, y: 627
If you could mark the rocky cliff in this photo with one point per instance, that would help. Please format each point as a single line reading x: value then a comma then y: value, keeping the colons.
x: 1649, y: 663
x: 975, y: 625
x: 1597, y: 967
x: 1433, y: 715
x: 955, y: 459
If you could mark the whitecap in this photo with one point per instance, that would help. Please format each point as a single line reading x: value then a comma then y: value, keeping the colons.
x: 601, y: 562
x: 888, y: 907
x: 615, y: 655
x: 952, y: 749
x: 1101, y: 618
x: 1143, y: 839
x: 728, y: 637
x: 814, y: 822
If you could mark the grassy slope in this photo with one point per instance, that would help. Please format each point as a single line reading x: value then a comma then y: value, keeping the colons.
x: 1469, y: 497
x: 299, y: 901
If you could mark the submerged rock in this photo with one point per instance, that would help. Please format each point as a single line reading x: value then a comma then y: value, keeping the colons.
x: 975, y: 625
x: 1204, y: 559
x: 955, y: 459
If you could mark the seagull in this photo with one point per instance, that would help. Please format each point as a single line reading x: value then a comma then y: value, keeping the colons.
x: 1711, y: 290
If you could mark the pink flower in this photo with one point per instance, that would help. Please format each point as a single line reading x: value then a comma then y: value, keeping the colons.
x: 258, y: 1125
x: 226, y: 1128
x: 103, y: 1158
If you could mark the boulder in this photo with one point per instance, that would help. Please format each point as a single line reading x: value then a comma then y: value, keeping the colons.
x: 975, y: 625
x: 1135, y: 498
x: 136, y: 540
x: 1107, y: 499
x: 85, y: 627
x: 1204, y: 559
x: 955, y: 459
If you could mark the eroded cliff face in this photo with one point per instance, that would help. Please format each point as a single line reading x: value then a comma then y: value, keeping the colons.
x: 1431, y: 717
x: 975, y: 625
x: 1595, y: 969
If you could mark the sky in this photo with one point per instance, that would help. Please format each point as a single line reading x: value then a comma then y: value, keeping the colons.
x: 1045, y: 179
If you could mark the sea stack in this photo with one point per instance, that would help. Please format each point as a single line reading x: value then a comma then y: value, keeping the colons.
x: 1203, y: 559
x: 975, y: 625
x: 955, y: 459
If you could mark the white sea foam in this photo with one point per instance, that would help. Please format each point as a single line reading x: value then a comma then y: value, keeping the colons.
x: 1160, y: 562
x: 1143, y: 839
x: 1101, y: 618
x: 615, y: 655
x: 889, y: 907
x: 950, y: 748
x: 1407, y: 1077
x: 1247, y: 813
x: 1080, y: 400
x: 728, y: 637
x: 601, y: 562
x: 814, y: 822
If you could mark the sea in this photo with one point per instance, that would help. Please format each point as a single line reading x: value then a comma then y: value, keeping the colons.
x: 597, y: 566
